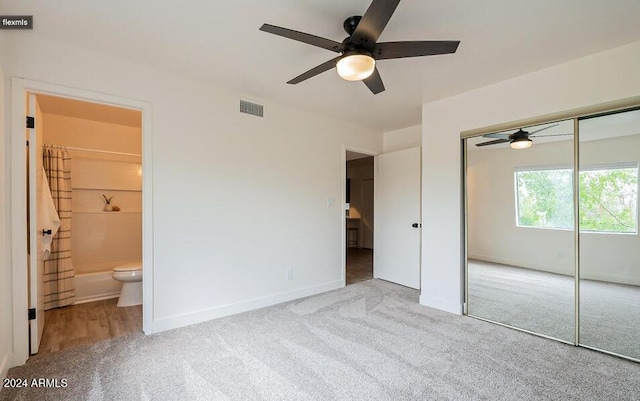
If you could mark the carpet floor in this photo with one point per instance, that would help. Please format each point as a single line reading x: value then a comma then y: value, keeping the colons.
x: 367, y: 341
x: 544, y: 303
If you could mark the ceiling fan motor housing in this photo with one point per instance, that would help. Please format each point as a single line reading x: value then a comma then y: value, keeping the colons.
x: 351, y: 23
x: 519, y: 134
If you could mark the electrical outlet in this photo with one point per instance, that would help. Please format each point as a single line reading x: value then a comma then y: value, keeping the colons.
x: 288, y: 275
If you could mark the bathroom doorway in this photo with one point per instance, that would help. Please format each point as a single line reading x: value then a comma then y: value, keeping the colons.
x: 359, y: 222
x: 91, y: 159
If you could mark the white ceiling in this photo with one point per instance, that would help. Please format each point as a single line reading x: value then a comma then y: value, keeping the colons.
x: 90, y: 111
x: 219, y: 42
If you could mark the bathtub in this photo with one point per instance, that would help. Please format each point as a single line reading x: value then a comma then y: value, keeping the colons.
x: 96, y: 287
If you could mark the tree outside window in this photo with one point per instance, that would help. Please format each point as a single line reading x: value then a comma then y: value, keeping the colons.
x: 608, y: 199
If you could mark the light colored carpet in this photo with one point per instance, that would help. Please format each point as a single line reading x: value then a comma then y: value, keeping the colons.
x: 367, y: 341
x: 544, y: 303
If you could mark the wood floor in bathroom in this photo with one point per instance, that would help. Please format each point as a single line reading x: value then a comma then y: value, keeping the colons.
x: 88, y: 323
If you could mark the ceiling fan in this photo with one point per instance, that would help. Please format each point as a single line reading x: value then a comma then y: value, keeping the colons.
x: 360, y: 50
x: 520, y: 139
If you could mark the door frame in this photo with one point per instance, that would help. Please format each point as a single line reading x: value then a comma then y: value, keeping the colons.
x: 343, y: 196
x: 36, y: 264
x: 19, y: 89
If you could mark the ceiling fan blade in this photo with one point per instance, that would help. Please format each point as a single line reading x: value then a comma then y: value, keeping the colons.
x: 494, y: 142
x: 315, y: 71
x: 496, y: 135
x: 388, y: 50
x: 519, y: 132
x: 542, y: 129
x: 303, y: 37
x: 545, y: 136
x: 373, y: 22
x: 374, y: 82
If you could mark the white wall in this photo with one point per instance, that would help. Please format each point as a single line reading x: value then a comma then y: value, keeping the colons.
x: 591, y: 80
x: 401, y: 139
x: 6, y: 304
x: 494, y: 236
x: 237, y: 200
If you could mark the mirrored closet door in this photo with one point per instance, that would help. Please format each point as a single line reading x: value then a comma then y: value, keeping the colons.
x: 609, y: 241
x: 551, y: 227
x: 520, y: 224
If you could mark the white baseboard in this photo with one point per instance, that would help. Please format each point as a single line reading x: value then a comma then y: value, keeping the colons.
x: 520, y: 263
x: 441, y: 304
x: 611, y: 278
x: 204, y: 315
x: 4, y: 367
x: 596, y: 276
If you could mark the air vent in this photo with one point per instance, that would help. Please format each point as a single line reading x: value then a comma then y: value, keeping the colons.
x: 251, y: 108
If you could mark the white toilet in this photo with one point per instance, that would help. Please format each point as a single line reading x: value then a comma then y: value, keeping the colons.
x: 130, y: 274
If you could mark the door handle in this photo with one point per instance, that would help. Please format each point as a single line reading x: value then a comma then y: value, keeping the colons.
x: 416, y: 225
x: 46, y: 232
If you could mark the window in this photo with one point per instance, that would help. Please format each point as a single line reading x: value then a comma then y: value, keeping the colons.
x: 608, y: 198
x: 545, y: 198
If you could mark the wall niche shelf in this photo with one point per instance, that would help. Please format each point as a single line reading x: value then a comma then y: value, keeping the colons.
x: 105, y: 189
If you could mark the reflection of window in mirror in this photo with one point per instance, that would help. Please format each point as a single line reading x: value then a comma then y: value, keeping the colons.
x: 608, y: 198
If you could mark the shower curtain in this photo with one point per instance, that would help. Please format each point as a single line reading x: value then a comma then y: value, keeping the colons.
x: 58, y: 268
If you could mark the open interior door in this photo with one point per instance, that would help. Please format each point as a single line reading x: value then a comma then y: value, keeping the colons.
x: 36, y: 227
x: 397, y: 216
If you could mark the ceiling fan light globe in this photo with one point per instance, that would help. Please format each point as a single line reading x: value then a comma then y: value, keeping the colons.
x: 356, y: 67
x: 521, y: 143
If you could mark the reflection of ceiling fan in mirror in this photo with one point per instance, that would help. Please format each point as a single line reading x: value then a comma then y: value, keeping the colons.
x: 520, y: 139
